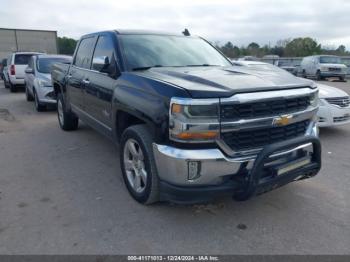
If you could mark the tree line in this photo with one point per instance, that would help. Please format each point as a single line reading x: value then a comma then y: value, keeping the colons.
x: 302, y: 46
x: 297, y: 47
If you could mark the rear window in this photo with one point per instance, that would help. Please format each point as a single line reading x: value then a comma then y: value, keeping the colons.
x: 22, y: 59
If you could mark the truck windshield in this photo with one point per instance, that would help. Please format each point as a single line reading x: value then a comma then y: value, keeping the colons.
x: 44, y: 65
x: 330, y: 60
x: 145, y: 51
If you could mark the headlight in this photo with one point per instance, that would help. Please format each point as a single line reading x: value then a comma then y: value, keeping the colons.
x: 314, y: 100
x: 322, y: 102
x: 194, y: 120
x: 44, y: 83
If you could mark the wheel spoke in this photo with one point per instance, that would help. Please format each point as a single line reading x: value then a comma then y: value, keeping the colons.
x: 143, y: 175
x: 128, y: 164
x: 132, y: 148
x: 137, y: 182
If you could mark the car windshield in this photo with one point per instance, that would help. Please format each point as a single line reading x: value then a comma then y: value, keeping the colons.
x: 144, y: 51
x: 22, y: 59
x: 44, y: 64
x: 330, y: 60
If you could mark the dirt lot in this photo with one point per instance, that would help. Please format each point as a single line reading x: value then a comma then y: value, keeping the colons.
x: 62, y: 193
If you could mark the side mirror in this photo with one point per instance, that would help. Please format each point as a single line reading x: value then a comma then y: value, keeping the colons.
x: 29, y: 70
x: 100, y: 63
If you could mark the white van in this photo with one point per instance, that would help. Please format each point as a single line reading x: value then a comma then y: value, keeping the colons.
x: 322, y: 66
x: 16, y: 64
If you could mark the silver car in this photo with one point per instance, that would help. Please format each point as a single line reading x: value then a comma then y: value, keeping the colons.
x: 38, y: 86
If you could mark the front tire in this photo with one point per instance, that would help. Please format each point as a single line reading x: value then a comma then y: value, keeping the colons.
x: 138, y: 164
x: 66, y: 119
x: 318, y: 75
x: 29, y: 97
x: 38, y: 106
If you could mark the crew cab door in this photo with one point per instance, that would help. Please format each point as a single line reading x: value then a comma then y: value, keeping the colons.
x: 101, y: 82
x: 77, y: 73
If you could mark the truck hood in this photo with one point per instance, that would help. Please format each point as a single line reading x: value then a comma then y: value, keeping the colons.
x: 326, y: 91
x: 207, y: 82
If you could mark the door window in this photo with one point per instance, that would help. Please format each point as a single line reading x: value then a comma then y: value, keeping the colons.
x: 105, y: 47
x: 84, y: 53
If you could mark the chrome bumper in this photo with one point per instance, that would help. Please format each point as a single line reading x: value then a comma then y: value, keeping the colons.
x: 173, y: 163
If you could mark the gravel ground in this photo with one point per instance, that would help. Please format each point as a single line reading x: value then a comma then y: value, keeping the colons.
x: 62, y: 193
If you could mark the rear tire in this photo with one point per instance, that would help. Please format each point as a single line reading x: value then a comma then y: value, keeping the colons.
x: 138, y: 164
x: 66, y: 119
x: 38, y: 106
x: 342, y: 78
x: 13, y: 88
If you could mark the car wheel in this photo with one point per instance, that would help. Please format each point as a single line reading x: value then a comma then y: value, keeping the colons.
x: 29, y: 97
x: 342, y: 78
x: 138, y: 165
x: 13, y: 88
x: 6, y: 84
x: 66, y: 119
x: 303, y: 74
x: 318, y: 76
x: 38, y: 106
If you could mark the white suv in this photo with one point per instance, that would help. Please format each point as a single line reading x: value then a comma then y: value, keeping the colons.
x: 16, y: 65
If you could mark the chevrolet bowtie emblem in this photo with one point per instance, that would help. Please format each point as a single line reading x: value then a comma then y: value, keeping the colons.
x: 282, y: 120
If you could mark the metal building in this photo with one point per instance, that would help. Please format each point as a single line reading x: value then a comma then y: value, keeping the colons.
x: 12, y: 40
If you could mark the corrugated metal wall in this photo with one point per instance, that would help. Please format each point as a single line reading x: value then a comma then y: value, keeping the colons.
x: 12, y: 40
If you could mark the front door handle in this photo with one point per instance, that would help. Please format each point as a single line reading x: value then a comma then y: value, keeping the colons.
x: 85, y: 81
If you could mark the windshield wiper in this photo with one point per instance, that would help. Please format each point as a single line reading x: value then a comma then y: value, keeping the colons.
x: 145, y: 67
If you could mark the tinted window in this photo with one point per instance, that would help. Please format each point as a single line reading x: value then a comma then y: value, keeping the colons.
x: 84, y: 53
x: 30, y: 62
x: 166, y: 50
x: 105, y: 47
x: 44, y: 65
x: 4, y: 62
x: 330, y: 60
x: 22, y: 59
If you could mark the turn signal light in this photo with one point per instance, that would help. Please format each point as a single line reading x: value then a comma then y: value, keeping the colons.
x: 202, y: 135
x: 12, y: 70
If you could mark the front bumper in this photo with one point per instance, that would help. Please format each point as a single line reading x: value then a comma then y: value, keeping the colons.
x: 219, y: 174
x: 46, y: 95
x: 331, y: 115
x: 16, y: 81
x: 332, y: 74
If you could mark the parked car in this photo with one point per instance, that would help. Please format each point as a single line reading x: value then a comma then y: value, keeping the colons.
x: 334, y: 106
x: 289, y: 66
x: 334, y: 103
x: 322, y: 66
x: 3, y: 64
x: 17, y: 63
x: 189, y: 124
x: 38, y: 86
x: 5, y: 75
x: 346, y: 61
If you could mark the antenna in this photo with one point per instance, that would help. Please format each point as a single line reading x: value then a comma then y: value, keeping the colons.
x: 186, y: 32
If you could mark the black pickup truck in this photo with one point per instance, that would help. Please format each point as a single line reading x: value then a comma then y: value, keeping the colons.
x: 188, y: 123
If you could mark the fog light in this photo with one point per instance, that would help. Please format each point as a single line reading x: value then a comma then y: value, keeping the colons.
x: 193, y: 170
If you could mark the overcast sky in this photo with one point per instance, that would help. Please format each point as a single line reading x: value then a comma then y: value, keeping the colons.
x: 239, y: 21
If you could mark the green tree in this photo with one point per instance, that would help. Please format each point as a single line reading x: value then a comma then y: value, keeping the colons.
x: 66, y: 45
x: 302, y: 47
x: 253, y: 49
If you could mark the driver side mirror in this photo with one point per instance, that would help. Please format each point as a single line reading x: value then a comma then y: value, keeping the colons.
x: 29, y: 70
x: 100, y: 64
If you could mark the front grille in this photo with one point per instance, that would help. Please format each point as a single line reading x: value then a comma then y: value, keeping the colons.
x: 339, y: 101
x: 333, y: 69
x: 264, y: 109
x: 256, y: 138
x: 341, y: 118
